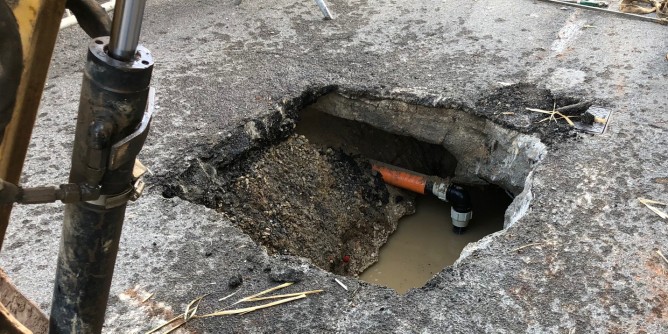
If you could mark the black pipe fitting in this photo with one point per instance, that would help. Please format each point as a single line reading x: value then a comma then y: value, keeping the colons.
x: 462, y: 209
x: 459, y: 197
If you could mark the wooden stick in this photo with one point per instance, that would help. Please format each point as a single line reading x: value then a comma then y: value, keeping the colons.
x: 228, y: 296
x: 165, y: 324
x: 540, y: 110
x: 566, y: 118
x: 552, y: 117
x: 175, y: 328
x: 263, y: 292
x: 188, y: 314
x: 526, y: 246
x: 147, y: 298
x: 649, y: 201
x: 661, y: 255
x: 654, y: 209
x: 285, y: 295
x: 251, y: 309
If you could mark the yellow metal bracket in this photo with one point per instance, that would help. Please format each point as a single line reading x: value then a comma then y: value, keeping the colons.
x: 38, y: 22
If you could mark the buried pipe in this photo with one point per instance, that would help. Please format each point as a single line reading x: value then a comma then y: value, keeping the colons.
x: 461, y: 211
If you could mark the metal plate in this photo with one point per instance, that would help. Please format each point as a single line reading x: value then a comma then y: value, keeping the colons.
x: 597, y: 128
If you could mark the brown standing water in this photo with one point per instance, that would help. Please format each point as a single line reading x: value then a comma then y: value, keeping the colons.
x: 424, y: 243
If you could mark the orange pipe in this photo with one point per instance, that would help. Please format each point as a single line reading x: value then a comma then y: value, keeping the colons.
x: 401, y: 178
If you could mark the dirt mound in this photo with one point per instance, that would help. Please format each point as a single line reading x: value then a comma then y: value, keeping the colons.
x: 296, y: 198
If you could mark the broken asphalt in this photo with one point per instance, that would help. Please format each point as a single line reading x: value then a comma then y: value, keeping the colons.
x: 595, y: 267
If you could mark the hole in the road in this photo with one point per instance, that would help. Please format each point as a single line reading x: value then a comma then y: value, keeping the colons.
x: 424, y: 241
x: 310, y: 190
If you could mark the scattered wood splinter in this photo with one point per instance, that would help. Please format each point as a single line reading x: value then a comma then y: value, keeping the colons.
x: 552, y: 115
x: 147, y: 298
x: 245, y: 299
x: 178, y: 317
x: 228, y: 296
x: 251, y: 309
x: 191, y: 310
x: 285, y: 295
x: 527, y: 246
x: 189, y: 314
x: 661, y: 255
x: 650, y: 205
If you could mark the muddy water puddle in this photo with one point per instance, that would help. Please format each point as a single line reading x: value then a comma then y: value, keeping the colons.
x: 424, y: 242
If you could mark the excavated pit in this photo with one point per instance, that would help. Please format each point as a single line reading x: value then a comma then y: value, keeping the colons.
x: 306, y: 188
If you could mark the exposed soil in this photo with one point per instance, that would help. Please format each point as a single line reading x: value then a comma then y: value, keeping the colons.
x: 295, y: 198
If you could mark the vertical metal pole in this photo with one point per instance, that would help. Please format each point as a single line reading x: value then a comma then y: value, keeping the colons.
x: 114, y: 95
x: 325, y: 11
x: 125, y: 28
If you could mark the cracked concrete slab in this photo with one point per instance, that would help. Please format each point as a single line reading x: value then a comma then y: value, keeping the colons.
x: 592, y: 266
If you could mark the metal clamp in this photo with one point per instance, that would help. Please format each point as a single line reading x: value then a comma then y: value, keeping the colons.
x: 121, y: 152
x: 131, y: 194
x: 112, y: 201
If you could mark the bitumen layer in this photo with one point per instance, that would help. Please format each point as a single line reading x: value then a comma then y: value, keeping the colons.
x: 590, y: 264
